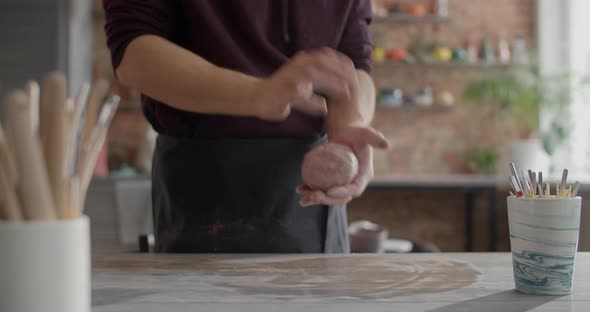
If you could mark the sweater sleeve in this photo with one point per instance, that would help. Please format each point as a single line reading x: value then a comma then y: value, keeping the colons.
x: 129, y: 19
x: 356, y: 41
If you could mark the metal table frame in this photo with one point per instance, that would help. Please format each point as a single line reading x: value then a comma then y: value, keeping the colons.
x: 470, y: 185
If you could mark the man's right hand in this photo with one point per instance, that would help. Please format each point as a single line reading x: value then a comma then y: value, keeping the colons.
x: 296, y: 85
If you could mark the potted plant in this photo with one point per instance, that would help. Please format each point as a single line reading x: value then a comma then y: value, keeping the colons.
x: 483, y: 159
x: 521, y: 94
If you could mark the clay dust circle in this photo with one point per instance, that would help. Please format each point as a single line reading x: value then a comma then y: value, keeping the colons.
x: 356, y: 277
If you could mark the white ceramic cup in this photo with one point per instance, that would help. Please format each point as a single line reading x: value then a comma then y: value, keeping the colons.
x: 544, y: 241
x: 45, y: 266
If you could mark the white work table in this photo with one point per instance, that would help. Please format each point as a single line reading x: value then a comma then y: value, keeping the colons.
x: 287, y: 283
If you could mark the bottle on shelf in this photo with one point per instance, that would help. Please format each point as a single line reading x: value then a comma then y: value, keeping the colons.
x: 519, y: 50
x: 486, y: 51
x: 442, y: 8
x: 471, y: 48
x: 504, y: 55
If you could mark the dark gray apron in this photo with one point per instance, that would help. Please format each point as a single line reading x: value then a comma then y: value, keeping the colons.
x: 238, y: 196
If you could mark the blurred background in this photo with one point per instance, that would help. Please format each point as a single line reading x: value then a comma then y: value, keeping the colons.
x: 464, y: 86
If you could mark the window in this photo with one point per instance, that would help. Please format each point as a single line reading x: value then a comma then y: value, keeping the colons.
x: 564, y: 48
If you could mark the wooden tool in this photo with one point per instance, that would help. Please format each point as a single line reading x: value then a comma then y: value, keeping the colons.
x: 562, y: 185
x: 7, y: 158
x: 576, y: 189
x: 34, y: 191
x: 55, y: 126
x: 92, y: 150
x: 9, y: 206
x: 33, y: 91
x: 515, y: 174
x: 98, y: 93
x: 76, y: 130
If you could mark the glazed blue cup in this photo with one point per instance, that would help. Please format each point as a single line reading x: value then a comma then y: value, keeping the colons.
x: 544, y: 236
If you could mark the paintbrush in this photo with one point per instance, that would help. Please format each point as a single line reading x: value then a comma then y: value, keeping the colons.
x: 527, y: 184
x: 576, y: 189
x: 517, y: 190
x: 563, y: 183
x: 98, y: 93
x: 533, y: 179
x: 515, y: 174
x: 76, y: 129
x: 92, y: 150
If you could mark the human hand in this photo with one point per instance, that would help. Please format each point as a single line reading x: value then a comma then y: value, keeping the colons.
x: 361, y: 140
x: 296, y: 85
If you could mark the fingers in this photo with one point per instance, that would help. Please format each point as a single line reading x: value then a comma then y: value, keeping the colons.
x: 296, y: 84
x: 371, y: 137
x: 321, y: 198
x: 314, y: 106
x: 302, y: 189
x: 331, y: 72
x: 315, y: 197
x: 366, y: 171
x: 356, y: 137
x: 354, y: 189
x: 339, y: 191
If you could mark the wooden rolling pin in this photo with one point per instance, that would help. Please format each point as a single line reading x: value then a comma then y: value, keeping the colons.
x: 55, y: 126
x: 33, y: 188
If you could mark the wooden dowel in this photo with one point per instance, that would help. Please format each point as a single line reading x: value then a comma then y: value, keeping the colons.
x: 99, y: 91
x: 92, y: 151
x: 9, y: 206
x: 33, y: 92
x: 34, y: 191
x: 55, y: 134
x: 75, y: 132
x: 7, y: 158
x: 576, y: 189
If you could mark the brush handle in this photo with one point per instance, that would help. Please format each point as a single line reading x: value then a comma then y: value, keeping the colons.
x: 33, y: 92
x: 576, y: 189
x: 563, y: 182
x: 99, y: 91
x: 91, y: 151
x: 34, y: 191
x: 7, y: 160
x: 75, y: 132
x: 9, y: 206
x: 55, y: 123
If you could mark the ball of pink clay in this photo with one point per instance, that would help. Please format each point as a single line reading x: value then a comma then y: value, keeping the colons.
x: 329, y: 165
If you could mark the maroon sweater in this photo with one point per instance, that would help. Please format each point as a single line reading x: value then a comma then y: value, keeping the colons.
x: 255, y: 37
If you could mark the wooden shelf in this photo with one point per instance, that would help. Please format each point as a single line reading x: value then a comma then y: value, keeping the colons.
x: 411, y: 19
x: 412, y: 107
x: 451, y: 65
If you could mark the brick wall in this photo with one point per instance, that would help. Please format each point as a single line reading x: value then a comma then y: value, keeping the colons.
x: 425, y: 140
x: 437, y: 140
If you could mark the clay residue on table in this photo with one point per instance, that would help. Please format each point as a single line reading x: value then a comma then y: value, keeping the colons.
x: 363, y: 277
